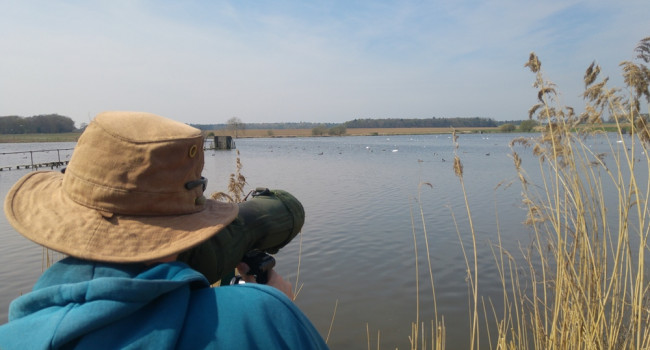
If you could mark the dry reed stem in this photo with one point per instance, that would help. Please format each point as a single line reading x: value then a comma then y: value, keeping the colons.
x: 472, y: 272
x: 329, y: 331
x: 415, y: 325
x: 418, y: 337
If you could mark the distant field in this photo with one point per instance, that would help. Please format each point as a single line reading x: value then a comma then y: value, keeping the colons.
x: 22, y: 138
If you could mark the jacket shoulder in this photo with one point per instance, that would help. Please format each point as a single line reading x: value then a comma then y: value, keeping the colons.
x: 245, y: 317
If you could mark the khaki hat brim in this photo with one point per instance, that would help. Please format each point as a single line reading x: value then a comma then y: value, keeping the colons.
x: 38, y: 209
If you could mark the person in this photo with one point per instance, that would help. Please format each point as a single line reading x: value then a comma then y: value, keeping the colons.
x: 128, y: 203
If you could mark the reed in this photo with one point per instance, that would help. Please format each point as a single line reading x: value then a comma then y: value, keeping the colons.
x: 583, y: 282
x: 586, y: 283
x: 236, y: 184
x: 586, y: 266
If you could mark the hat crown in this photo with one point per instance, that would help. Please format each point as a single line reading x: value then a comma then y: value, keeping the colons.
x: 136, y: 163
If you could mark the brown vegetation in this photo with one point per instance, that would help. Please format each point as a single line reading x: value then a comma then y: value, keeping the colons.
x: 582, y: 283
x: 22, y: 138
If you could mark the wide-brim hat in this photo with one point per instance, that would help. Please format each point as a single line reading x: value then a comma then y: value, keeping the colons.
x: 132, y: 192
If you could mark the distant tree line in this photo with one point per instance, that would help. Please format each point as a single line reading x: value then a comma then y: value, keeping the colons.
x: 421, y: 123
x: 46, y: 124
x: 365, y: 123
x: 264, y: 126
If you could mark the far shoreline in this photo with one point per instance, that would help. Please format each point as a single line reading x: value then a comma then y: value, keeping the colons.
x: 281, y: 133
x: 262, y: 133
x: 271, y: 133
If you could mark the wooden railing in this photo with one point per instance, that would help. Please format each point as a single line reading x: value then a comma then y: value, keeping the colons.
x: 36, y: 165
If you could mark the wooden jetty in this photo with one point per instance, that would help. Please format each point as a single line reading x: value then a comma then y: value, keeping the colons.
x: 35, y: 165
x: 219, y: 142
x: 50, y: 165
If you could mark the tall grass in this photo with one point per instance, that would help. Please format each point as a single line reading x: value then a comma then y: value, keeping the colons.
x: 583, y: 281
x: 587, y: 265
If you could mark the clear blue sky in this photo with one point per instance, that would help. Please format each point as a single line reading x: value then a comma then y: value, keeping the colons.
x: 314, y: 61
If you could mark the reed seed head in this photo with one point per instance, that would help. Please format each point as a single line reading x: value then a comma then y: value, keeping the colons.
x: 523, y: 141
x: 222, y: 197
x: 642, y: 130
x: 591, y: 74
x: 545, y: 91
x: 454, y: 138
x: 458, y: 167
x: 637, y: 77
x: 517, y: 160
x: 533, y: 110
x: 534, y: 215
x: 570, y: 111
x: 533, y: 63
x: 644, y: 50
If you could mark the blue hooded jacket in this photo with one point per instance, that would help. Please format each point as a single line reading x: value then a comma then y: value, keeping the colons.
x: 84, y: 304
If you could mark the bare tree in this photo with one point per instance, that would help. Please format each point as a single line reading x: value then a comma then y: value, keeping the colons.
x: 236, y: 124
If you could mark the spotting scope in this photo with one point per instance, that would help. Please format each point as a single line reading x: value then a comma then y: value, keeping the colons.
x: 266, y: 222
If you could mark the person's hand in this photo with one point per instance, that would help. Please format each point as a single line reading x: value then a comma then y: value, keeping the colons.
x: 274, y: 280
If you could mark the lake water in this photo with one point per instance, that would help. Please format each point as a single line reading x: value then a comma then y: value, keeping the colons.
x: 357, y: 245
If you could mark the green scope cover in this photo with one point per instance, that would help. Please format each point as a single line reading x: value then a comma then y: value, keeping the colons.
x: 268, y: 221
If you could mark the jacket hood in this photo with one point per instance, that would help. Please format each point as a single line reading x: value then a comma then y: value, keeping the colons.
x: 74, y: 298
